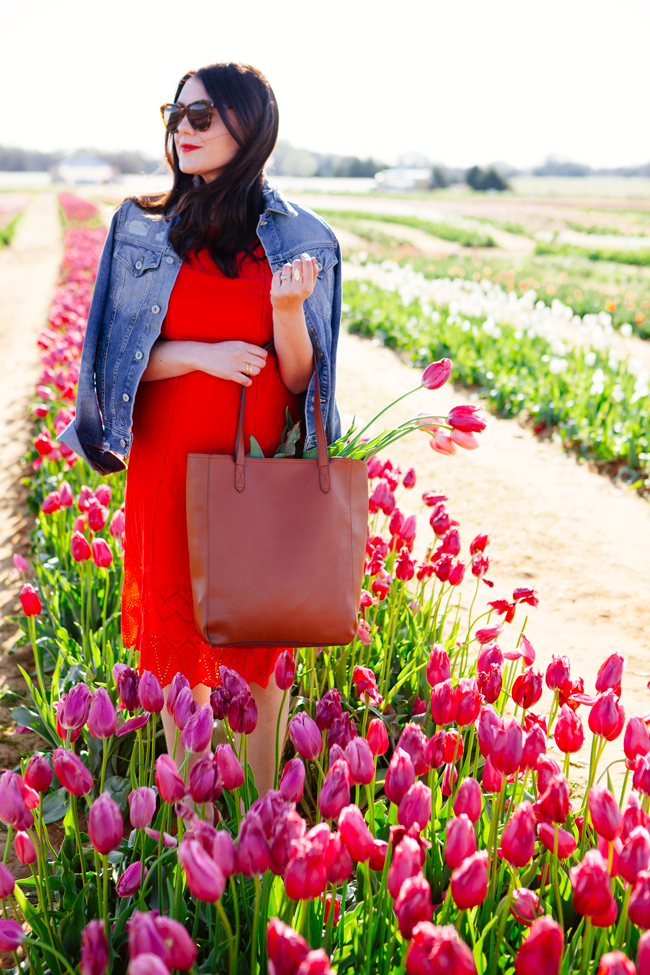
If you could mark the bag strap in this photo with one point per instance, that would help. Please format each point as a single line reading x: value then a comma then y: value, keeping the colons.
x: 321, y: 442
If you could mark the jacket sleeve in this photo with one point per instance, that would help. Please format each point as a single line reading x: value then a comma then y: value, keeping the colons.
x: 334, y: 420
x: 85, y: 434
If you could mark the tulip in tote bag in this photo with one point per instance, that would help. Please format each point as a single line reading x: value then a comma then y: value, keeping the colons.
x: 277, y: 545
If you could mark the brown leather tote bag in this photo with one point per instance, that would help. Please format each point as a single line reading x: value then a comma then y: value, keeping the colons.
x: 277, y: 545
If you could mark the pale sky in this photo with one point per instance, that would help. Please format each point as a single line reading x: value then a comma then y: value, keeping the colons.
x: 461, y: 81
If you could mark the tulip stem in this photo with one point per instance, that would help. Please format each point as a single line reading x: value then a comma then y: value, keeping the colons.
x: 104, y: 761
x: 107, y: 919
x: 586, y: 947
x: 104, y: 612
x: 235, y: 905
x: 82, y: 612
x: 622, y: 924
x: 627, y: 773
x: 10, y: 830
x: 556, y: 884
x: 31, y: 626
x: 256, y: 921
x: 75, y: 819
x: 232, y: 956
x: 277, y: 741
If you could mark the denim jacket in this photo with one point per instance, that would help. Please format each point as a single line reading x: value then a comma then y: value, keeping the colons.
x: 136, y: 274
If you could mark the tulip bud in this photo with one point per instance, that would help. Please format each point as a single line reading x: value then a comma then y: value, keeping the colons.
x: 150, y: 693
x: 71, y: 772
x: 170, y: 785
x: 29, y: 599
x: 97, y: 515
x: 252, y: 846
x: 305, y: 736
x: 639, y: 906
x: 355, y: 833
x: 518, y: 838
x: 230, y: 770
x: 20, y: 563
x: 338, y: 862
x: 406, y: 862
x: 74, y: 710
x: 566, y: 844
x: 328, y: 709
x: 439, y: 667
x: 286, y: 949
x: 378, y: 856
x: 414, y: 742
x: 643, y: 954
x: 444, y: 703
x: 7, y: 882
x: 508, y: 748
x: 569, y: 733
x: 605, y: 813
x: 132, y: 879
x: 524, y: 905
x: 554, y: 803
x: 12, y: 804
x: 490, y: 684
x: 534, y: 746
x: 468, y: 799
x: 117, y: 525
x: 607, y: 716
x: 468, y: 698
x: 79, y: 547
x: 641, y: 777
x: 610, y: 673
x: 591, y: 890
x: 491, y: 779
x: 436, y: 374
x: 105, y: 825
x: 24, y: 847
x: 335, y: 791
x: 400, y: 776
x: 11, y: 935
x: 415, y: 807
x: 557, y: 673
x: 377, y: 737
x: 438, y: 949
x: 102, y: 719
x: 224, y: 852
x: 94, y: 949
x: 469, y: 882
x: 489, y: 728
x: 147, y: 964
x: 197, y: 733
x: 360, y: 761
x: 285, y: 670
x: 142, y: 806
x: 178, y: 682
x: 637, y: 740
x: 38, y: 773
x: 204, y: 878
x: 242, y: 713
x: 413, y: 904
x: 465, y: 418
x: 527, y: 688
x: 292, y: 783
x: 102, y: 555
x: 542, y: 950
x: 128, y: 682
x: 461, y: 841
x: 635, y: 855
x: 182, y: 950
x: 547, y: 767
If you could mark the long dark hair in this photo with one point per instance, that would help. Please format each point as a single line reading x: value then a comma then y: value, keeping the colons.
x: 222, y: 215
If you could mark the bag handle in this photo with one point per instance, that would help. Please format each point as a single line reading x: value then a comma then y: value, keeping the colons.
x: 321, y: 442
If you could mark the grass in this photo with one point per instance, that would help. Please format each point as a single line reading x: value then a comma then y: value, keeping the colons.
x: 7, y: 233
x: 639, y: 256
x: 445, y: 231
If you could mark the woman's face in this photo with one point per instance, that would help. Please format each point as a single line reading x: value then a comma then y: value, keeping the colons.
x: 206, y: 153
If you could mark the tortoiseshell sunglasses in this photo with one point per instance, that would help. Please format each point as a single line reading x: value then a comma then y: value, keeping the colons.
x: 199, y: 115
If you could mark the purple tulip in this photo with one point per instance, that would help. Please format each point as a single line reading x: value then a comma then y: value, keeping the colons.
x: 102, y: 719
x: 305, y: 736
x: 105, y: 824
x: 38, y: 773
x: 182, y: 950
x: 224, y: 852
x: 285, y: 670
x: 131, y: 879
x: 204, y: 877
x: 361, y: 761
x: 220, y: 702
x: 233, y: 682
x: 197, y: 733
x: 183, y: 707
x: 242, y: 714
x: 415, y: 807
x: 205, y: 784
x: 328, y: 709
x: 170, y: 785
x: 342, y: 732
x: 12, y: 805
x: 335, y: 790
x: 292, y: 783
x: 76, y: 706
x: 252, y: 847
x: 11, y: 935
x: 142, y: 806
x: 71, y: 772
x: 150, y: 693
x: 127, y: 681
x: 147, y: 964
x: 230, y: 771
x: 94, y: 949
x: 204, y: 833
x: 178, y: 682
x: 133, y: 724
x: 7, y: 882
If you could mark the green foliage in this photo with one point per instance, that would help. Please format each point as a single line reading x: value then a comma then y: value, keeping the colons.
x: 485, y: 179
x: 633, y: 256
x: 7, y: 233
x: 446, y: 231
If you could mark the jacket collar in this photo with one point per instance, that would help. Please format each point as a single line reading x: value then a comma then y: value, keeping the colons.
x: 276, y: 201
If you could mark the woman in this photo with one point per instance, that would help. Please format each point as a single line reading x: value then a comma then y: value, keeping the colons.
x: 218, y: 284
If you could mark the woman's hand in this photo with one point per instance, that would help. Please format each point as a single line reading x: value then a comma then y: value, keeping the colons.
x: 293, y: 283
x: 236, y: 361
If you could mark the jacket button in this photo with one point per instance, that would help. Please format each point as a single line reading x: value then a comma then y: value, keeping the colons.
x: 122, y: 443
x: 155, y: 309
x: 126, y: 397
x: 169, y: 260
x: 138, y: 354
x: 138, y: 265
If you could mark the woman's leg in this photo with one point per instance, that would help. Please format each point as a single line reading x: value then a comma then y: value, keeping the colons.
x: 261, y: 743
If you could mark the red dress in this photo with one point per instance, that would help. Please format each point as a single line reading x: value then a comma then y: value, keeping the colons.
x: 195, y: 413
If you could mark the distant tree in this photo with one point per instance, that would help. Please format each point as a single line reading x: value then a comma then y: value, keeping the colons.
x: 553, y: 167
x: 485, y: 179
x: 439, y: 178
x: 15, y: 160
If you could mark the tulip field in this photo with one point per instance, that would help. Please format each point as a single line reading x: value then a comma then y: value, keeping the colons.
x: 422, y: 820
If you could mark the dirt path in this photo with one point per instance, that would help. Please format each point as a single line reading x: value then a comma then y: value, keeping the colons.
x: 581, y: 542
x: 28, y: 271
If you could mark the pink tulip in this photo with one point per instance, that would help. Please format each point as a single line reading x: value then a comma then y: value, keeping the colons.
x: 292, y: 783
x: 414, y: 742
x: 145, y: 938
x: 178, y: 682
x: 20, y: 563
x: 607, y: 716
x: 635, y: 855
x: 94, y: 949
x: 204, y: 877
x: 360, y: 761
x: 468, y: 799
x: 328, y: 709
x: 355, y: 833
x: 7, y: 882
x: 527, y: 688
x: 444, y: 703
x: 566, y: 844
x: 150, y: 693
x: 415, y: 807
x: 377, y: 737
x: 641, y: 777
x: 508, y: 747
x: 616, y: 963
x: 466, y: 418
x: 102, y: 719
x: 605, y: 813
x: 491, y: 779
x: 117, y: 524
x: 142, y: 806
x: 436, y: 374
x: 252, y: 846
x: 242, y: 714
x: 524, y: 905
x: 518, y: 838
x: 97, y: 515
x: 105, y: 825
x: 184, y: 707
x: 147, y: 964
x: 229, y: 766
x: 378, y: 856
x: 534, y: 746
x: 224, y: 852
x: 170, y: 785
x: 438, y: 949
x: 220, y: 703
x: 24, y: 847
x: 469, y: 881
x: 182, y: 950
x: 441, y: 442
x: 285, y: 670
x: 11, y: 935
x: 461, y: 841
x: 610, y: 673
x: 38, y: 773
x: 286, y: 949
x: 554, y: 803
x: 75, y: 707
x: 591, y: 890
x: 547, y: 767
x: 71, y: 772
x: 102, y: 555
x: 306, y: 873
x: 558, y: 672
x: 365, y: 684
x: 338, y: 861
x: 400, y: 776
x: 305, y: 736
x: 569, y: 733
x: 643, y: 954
x: 12, y: 804
x: 51, y: 503
x: 639, y: 907
x: 439, y: 667
x: 413, y: 904
x: 131, y: 880
x: 633, y: 816
x: 490, y: 684
x: 637, y: 739
x: 335, y: 790
x: 541, y: 951
x: 197, y: 733
x: 489, y: 728
x: 79, y: 547
x: 406, y: 862
x: 168, y: 840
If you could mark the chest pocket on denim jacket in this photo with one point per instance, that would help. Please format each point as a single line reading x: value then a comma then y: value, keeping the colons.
x: 136, y: 264
x: 326, y: 259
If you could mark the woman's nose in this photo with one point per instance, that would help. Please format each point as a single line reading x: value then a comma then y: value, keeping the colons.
x: 184, y: 126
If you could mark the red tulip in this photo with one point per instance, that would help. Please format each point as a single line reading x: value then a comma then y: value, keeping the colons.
x: 488, y: 633
x: 436, y: 374
x: 406, y: 862
x: 94, y: 949
x: 639, y: 906
x: 204, y: 877
x: 102, y: 555
x: 24, y: 847
x: 51, y: 503
x: 413, y: 904
x: 534, y: 746
x: 355, y: 833
x: 566, y: 844
x: 641, y: 777
x: 338, y: 861
x: 610, y: 673
x: 400, y: 776
x: 569, y: 733
x: 414, y: 742
x: 97, y: 515
x: 285, y: 670
x: 102, y: 719
x: 11, y: 935
x: 524, y: 905
x: 170, y: 785
x: 378, y: 856
x: 616, y: 963
x: 292, y: 783
x: 284, y: 840
x: 461, y: 841
x: 492, y: 780
x: 382, y: 498
x: 444, y: 703
x: 439, y: 667
x: 643, y: 955
x: 637, y: 740
x: 305, y: 877
x: 554, y: 803
x: 468, y: 698
x: 590, y: 881
x: 465, y: 418
x: 105, y: 825
x: 541, y: 951
x: 377, y: 737
x: 415, y: 807
x: 469, y: 882
x: 150, y: 693
x: 38, y: 773
x: 335, y: 790
x: 286, y: 949
x: 29, y: 599
x: 132, y: 879
x: 527, y: 688
x: 605, y: 813
x: 518, y: 838
x: 142, y: 806
x: 438, y: 949
x: 252, y: 846
x: 71, y: 772
x: 547, y: 767
x: 508, y: 747
x: 558, y: 672
x: 607, y: 716
x: 305, y: 736
x: 79, y: 547
x: 448, y: 780
x: 635, y: 855
x: 229, y: 766
x: 365, y: 683
x: 490, y: 684
x: 468, y: 799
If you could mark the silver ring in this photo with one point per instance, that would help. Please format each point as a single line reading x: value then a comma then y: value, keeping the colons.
x: 284, y: 277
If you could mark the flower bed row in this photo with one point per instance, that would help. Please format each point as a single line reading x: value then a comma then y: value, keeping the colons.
x: 516, y: 351
x: 11, y: 207
x: 420, y: 823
